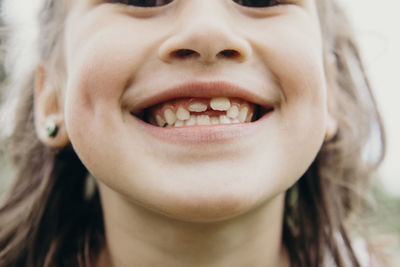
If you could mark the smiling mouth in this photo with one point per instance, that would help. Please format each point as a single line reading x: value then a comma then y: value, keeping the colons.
x: 186, y: 112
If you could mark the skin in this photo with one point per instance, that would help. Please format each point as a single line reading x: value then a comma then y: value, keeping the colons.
x: 190, y: 204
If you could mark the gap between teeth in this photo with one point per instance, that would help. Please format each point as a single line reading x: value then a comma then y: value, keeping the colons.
x: 232, y: 112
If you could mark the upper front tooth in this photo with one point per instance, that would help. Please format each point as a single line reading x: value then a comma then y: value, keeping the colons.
x: 170, y: 116
x: 182, y: 114
x: 220, y: 103
x: 197, y: 107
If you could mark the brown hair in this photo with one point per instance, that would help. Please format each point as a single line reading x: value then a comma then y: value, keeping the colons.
x: 49, y: 219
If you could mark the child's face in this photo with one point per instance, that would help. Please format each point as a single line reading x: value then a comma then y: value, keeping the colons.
x: 121, y: 59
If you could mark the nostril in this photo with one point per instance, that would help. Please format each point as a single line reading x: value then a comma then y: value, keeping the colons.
x: 184, y: 53
x: 229, y: 53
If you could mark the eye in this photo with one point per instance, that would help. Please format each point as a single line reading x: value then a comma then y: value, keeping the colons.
x: 143, y: 3
x: 259, y: 3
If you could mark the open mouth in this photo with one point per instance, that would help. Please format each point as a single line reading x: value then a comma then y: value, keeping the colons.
x: 186, y: 112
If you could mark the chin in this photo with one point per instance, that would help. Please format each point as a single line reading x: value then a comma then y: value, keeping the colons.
x: 222, y: 206
x: 203, y: 198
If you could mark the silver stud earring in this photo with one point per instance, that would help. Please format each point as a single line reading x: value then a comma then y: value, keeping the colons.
x: 51, y: 128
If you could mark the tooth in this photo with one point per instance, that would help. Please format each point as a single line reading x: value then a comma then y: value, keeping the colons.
x: 160, y: 121
x: 179, y: 123
x: 243, y: 114
x: 170, y: 116
x: 214, y: 120
x: 191, y: 121
x: 224, y: 119
x: 197, y: 107
x: 235, y: 121
x: 220, y: 103
x: 249, y: 117
x: 182, y: 114
x: 152, y: 121
x: 233, y: 112
x: 203, y: 120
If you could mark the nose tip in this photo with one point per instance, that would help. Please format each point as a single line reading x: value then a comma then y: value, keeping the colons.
x: 204, y: 45
x: 182, y: 53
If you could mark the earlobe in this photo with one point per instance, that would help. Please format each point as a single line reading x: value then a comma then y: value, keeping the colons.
x: 331, y: 128
x: 48, y: 111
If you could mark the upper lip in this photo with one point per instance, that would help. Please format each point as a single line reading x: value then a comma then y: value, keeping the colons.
x: 197, y: 90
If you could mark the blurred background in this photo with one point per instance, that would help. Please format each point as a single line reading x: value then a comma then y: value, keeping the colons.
x: 376, y: 25
x: 377, y: 29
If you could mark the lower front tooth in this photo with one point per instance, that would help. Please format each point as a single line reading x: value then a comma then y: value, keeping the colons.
x: 224, y: 119
x: 203, y: 120
x: 179, y: 123
x: 214, y: 120
x: 191, y: 121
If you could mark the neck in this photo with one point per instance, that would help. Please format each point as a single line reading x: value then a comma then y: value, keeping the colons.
x: 138, y: 237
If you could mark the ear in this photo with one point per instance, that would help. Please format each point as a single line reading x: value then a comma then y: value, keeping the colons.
x: 48, y: 109
x: 331, y: 128
x: 331, y: 123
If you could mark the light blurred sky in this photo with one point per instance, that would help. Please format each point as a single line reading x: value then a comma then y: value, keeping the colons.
x: 377, y: 25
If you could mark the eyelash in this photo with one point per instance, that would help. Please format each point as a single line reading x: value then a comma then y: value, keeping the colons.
x: 259, y: 3
x: 143, y: 3
x: 157, y: 3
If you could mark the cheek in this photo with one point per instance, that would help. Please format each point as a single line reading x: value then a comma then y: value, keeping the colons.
x: 93, y: 88
x: 97, y: 71
x: 100, y: 67
x: 97, y: 77
x: 294, y: 57
x: 291, y: 50
x: 304, y: 108
x: 104, y: 53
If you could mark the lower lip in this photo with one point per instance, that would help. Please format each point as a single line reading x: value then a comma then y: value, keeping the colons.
x: 200, y: 134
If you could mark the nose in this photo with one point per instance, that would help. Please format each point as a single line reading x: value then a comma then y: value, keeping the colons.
x: 205, y: 36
